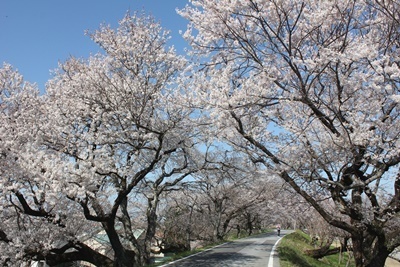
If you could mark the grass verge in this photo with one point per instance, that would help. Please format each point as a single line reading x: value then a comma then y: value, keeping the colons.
x: 291, y: 253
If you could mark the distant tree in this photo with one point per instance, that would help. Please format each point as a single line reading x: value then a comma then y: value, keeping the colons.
x: 310, y: 89
x: 220, y: 199
x: 180, y: 221
x: 72, y: 159
x: 229, y: 193
x: 250, y: 220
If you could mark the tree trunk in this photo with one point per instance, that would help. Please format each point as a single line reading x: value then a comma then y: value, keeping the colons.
x: 189, y: 230
x: 357, y: 247
x: 225, y: 227
x: 125, y: 258
x: 379, y: 259
x: 249, y: 224
x: 151, y: 227
x: 122, y: 257
x: 238, y: 230
x: 322, y: 252
x: 83, y: 253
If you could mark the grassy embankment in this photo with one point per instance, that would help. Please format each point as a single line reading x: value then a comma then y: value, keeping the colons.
x: 291, y: 253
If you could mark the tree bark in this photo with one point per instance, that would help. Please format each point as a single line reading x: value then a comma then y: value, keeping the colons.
x: 379, y: 259
x: 357, y: 247
x: 151, y: 227
x: 125, y: 258
x: 122, y: 257
x: 322, y: 252
x: 83, y: 253
x: 364, y: 259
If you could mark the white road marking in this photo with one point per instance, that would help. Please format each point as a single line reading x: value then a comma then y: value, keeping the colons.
x: 195, y: 254
x: 273, y: 252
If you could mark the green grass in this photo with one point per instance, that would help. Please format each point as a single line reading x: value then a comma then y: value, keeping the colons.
x: 291, y: 253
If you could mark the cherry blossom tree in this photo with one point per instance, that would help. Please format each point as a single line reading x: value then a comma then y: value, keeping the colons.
x: 225, y: 202
x: 310, y: 89
x: 108, y: 128
x: 181, y: 221
x: 223, y: 196
x: 32, y: 221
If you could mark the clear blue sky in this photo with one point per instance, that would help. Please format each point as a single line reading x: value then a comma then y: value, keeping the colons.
x: 37, y: 34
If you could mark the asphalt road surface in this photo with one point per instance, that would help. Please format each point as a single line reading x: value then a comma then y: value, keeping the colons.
x: 254, y: 251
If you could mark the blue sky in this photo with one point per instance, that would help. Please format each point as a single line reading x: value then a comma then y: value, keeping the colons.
x: 37, y: 34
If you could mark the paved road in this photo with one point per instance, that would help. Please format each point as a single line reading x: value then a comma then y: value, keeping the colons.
x: 248, y: 252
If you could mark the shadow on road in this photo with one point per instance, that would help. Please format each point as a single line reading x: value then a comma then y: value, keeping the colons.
x: 221, y: 259
x: 253, y: 251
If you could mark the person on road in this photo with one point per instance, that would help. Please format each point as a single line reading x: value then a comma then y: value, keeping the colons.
x: 278, y: 229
